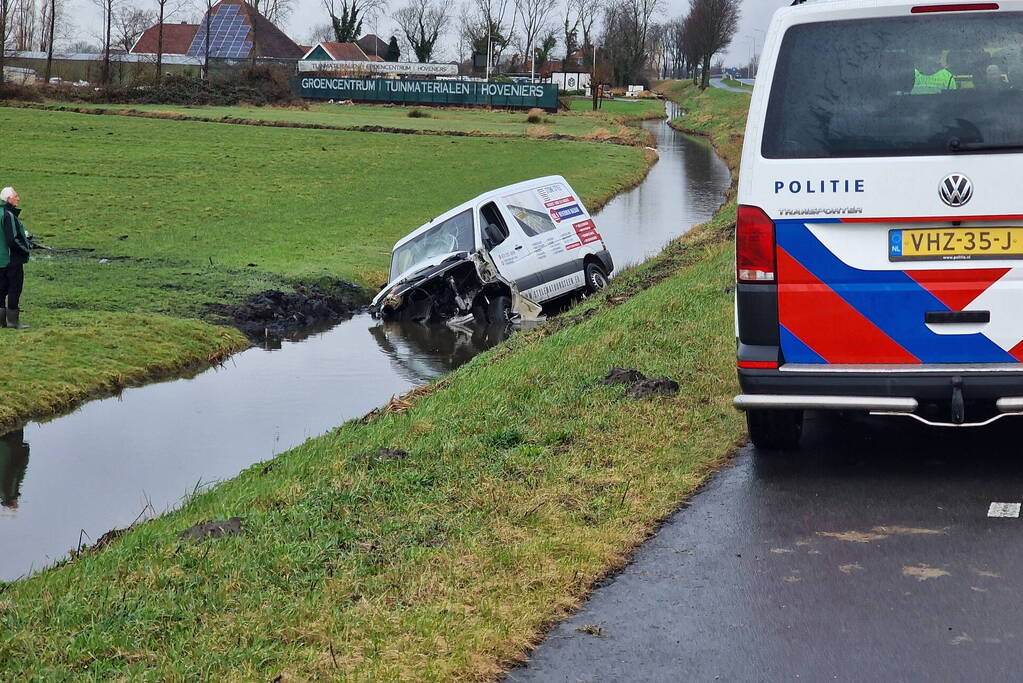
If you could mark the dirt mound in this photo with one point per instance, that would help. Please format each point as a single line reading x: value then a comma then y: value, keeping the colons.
x: 275, y: 314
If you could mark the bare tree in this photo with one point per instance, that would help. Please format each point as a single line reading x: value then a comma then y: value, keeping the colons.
x: 277, y: 11
x: 492, y: 15
x: 129, y: 24
x: 711, y: 26
x: 321, y: 33
x: 346, y: 16
x: 165, y: 9
x: 588, y: 12
x: 674, y: 46
x: 570, y: 36
x: 22, y: 31
x: 535, y: 17
x: 6, y: 9
x: 626, y: 37
x: 108, y: 8
x: 422, y: 22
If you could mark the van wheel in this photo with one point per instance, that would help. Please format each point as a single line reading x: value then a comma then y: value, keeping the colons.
x: 596, y: 278
x: 775, y: 429
x: 499, y: 310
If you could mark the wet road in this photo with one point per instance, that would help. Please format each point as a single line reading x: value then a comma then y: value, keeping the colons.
x: 718, y: 83
x: 78, y: 476
x: 867, y: 555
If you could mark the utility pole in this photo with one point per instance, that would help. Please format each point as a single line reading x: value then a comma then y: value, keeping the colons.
x: 490, y: 50
x: 593, y: 78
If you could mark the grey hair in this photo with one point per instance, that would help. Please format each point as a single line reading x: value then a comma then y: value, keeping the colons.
x: 7, y: 193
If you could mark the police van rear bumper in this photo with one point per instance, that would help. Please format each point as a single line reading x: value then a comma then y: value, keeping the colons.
x: 945, y: 395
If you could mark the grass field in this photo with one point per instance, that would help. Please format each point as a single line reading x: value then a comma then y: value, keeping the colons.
x: 607, y: 124
x: 186, y: 213
x: 737, y: 84
x: 525, y: 483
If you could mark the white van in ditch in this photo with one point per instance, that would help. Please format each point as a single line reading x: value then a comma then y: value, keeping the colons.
x: 879, y: 245
x: 496, y: 256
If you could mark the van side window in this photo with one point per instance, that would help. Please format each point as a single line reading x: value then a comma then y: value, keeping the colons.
x: 491, y: 215
x: 529, y: 213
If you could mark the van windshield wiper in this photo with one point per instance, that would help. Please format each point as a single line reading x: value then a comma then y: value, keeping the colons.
x: 957, y: 146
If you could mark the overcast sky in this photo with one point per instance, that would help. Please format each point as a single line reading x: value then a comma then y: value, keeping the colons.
x: 756, y: 14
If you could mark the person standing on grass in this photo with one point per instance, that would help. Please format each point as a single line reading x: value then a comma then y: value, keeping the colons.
x: 14, y: 251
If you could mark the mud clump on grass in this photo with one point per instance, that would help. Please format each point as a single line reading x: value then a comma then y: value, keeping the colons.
x: 641, y: 386
x: 275, y: 314
x: 206, y: 530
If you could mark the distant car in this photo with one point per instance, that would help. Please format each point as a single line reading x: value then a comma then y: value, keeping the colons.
x: 879, y: 243
x: 497, y: 256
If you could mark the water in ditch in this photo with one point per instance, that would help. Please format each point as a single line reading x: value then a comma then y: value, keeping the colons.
x: 69, y: 480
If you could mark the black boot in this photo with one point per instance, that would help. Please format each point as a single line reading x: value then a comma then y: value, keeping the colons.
x: 13, y: 319
x: 3, y: 317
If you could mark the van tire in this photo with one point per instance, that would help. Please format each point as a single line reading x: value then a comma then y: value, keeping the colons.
x: 499, y: 310
x: 596, y: 278
x: 774, y: 430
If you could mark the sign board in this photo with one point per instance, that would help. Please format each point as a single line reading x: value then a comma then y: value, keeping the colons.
x: 399, y: 68
x: 466, y: 93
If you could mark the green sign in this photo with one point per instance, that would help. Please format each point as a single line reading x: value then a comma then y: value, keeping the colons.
x: 471, y: 93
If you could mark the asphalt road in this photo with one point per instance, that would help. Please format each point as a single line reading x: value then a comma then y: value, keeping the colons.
x: 867, y: 555
x: 718, y: 83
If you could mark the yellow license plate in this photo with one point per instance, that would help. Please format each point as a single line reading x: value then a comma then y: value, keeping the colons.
x: 955, y: 244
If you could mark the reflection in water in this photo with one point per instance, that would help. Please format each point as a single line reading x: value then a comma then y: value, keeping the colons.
x: 98, y: 467
x: 13, y: 463
x: 428, y: 351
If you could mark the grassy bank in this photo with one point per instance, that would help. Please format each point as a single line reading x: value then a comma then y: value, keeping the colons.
x: 737, y: 84
x: 525, y: 481
x: 177, y: 215
x: 607, y: 125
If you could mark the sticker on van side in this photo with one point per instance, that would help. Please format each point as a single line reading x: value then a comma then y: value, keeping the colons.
x: 565, y: 213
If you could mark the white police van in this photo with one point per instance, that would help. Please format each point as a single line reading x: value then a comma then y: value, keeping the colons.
x: 879, y: 245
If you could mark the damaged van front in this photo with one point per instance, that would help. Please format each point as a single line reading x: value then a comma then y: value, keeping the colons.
x: 496, y: 258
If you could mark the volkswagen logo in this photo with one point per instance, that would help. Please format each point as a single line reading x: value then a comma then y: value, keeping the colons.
x: 956, y: 189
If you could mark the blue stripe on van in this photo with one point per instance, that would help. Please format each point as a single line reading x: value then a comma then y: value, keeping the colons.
x: 795, y: 351
x: 890, y: 299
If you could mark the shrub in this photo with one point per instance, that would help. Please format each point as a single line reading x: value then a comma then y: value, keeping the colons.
x: 16, y: 91
x: 535, y: 116
x: 418, y: 114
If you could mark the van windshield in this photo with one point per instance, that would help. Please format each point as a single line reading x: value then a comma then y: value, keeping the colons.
x: 922, y: 85
x: 454, y: 234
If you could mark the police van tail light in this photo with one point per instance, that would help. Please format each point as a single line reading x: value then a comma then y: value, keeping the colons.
x: 754, y: 246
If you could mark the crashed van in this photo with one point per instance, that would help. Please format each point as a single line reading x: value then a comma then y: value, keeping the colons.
x: 497, y: 257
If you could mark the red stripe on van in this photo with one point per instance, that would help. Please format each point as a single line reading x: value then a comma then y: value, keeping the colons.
x: 957, y: 288
x: 1017, y: 351
x: 826, y: 323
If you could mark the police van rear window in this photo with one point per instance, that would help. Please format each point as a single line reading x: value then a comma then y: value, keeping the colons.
x: 944, y: 83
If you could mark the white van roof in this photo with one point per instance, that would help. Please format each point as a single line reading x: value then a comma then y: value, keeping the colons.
x: 486, y: 196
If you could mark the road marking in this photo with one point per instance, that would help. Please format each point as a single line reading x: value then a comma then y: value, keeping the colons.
x: 1003, y: 510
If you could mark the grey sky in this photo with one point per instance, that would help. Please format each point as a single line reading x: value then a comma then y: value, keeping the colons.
x: 756, y: 14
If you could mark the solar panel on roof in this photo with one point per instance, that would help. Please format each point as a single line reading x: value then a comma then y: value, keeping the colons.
x: 228, y: 34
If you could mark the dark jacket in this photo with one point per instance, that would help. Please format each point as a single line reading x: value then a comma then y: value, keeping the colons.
x: 14, y: 249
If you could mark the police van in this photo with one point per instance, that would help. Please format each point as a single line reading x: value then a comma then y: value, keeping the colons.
x: 879, y: 244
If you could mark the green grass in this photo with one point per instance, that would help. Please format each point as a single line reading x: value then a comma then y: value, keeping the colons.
x: 190, y: 213
x: 526, y: 482
x: 607, y: 124
x: 621, y: 106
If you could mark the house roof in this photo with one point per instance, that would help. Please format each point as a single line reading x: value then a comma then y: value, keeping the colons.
x: 373, y: 44
x: 237, y: 29
x: 375, y: 58
x: 341, y: 52
x: 176, y: 39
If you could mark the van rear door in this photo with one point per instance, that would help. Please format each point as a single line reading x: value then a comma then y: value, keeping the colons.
x: 888, y: 162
